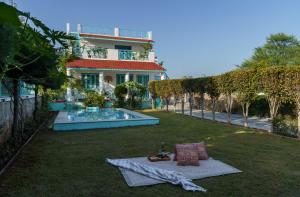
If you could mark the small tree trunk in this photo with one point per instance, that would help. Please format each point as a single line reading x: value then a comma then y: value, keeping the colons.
x: 167, y: 102
x: 213, y: 107
x: 153, y: 103
x: 174, y: 105
x: 202, y: 106
x: 245, y: 109
x: 274, y: 104
x: 182, y: 104
x: 228, y: 106
x: 190, y: 104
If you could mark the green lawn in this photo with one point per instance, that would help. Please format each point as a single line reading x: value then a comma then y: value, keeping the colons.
x: 72, y: 164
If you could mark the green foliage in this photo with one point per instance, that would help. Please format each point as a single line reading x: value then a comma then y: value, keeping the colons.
x: 259, y: 106
x: 246, y: 85
x: 152, y: 89
x: 93, y: 99
x: 279, y: 50
x: 284, y: 126
x: 54, y: 95
x: 212, y: 87
x: 146, y: 49
x: 133, y: 90
x: 120, y: 92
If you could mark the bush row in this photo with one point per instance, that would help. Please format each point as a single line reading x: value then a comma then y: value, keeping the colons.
x: 280, y: 84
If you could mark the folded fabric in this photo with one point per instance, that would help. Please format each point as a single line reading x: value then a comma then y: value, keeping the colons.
x: 157, y: 173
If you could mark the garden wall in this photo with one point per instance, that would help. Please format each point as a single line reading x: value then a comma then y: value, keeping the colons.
x: 6, y: 115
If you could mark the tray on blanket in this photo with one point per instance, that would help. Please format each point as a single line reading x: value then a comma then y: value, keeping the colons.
x: 157, y: 158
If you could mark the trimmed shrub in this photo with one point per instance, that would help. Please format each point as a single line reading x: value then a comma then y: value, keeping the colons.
x: 285, y: 126
x: 93, y: 99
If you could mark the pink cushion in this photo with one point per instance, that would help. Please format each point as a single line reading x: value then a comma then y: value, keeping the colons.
x: 202, y: 152
x: 201, y: 148
x: 187, y: 155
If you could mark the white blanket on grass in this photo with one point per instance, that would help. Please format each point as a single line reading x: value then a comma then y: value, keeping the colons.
x: 207, y: 168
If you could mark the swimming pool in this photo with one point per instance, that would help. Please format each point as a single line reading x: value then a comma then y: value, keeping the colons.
x: 104, y: 118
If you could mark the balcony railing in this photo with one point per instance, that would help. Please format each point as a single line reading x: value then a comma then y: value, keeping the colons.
x: 133, y: 33
x: 131, y: 55
x: 115, y: 32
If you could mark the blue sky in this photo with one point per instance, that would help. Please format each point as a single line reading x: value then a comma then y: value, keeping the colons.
x: 193, y: 37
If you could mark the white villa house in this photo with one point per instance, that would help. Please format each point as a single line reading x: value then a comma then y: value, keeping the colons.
x: 111, y: 56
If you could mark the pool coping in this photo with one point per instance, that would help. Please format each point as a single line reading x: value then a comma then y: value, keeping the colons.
x: 62, y: 123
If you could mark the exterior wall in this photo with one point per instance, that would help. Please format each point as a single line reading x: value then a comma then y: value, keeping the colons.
x: 152, y: 75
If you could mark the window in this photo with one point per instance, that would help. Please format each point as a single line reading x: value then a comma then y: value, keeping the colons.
x: 143, y: 79
x: 90, y: 81
x: 131, y: 77
x: 120, y: 78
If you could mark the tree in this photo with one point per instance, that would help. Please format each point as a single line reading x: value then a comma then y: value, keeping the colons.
x: 189, y: 87
x: 120, y: 92
x: 272, y: 83
x: 200, y: 88
x: 134, y: 90
x: 280, y: 50
x: 214, y: 94
x: 177, y: 92
x: 31, y: 42
x: 292, y: 82
x: 166, y: 91
x: 153, y: 93
x: 246, y: 89
x: 226, y: 87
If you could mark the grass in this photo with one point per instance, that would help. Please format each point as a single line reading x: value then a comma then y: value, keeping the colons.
x: 72, y: 163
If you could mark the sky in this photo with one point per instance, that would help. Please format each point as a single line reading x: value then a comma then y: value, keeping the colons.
x: 192, y: 37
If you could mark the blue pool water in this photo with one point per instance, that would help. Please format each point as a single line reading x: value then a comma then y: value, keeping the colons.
x: 102, y: 114
x: 100, y: 118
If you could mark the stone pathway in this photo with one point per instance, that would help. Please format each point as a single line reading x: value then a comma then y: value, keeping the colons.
x: 236, y: 119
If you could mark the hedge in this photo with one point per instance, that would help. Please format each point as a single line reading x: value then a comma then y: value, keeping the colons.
x: 279, y: 84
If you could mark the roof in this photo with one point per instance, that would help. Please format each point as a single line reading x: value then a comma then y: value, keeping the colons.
x: 115, y: 38
x: 114, y: 65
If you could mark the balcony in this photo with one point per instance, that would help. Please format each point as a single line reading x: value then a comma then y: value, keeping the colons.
x: 115, y: 54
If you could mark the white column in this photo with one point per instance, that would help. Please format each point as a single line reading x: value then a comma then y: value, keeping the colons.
x: 126, y: 77
x: 69, y: 91
x: 117, y: 32
x: 79, y: 28
x: 68, y: 28
x: 101, y: 82
x: 150, y: 35
x: 162, y: 76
